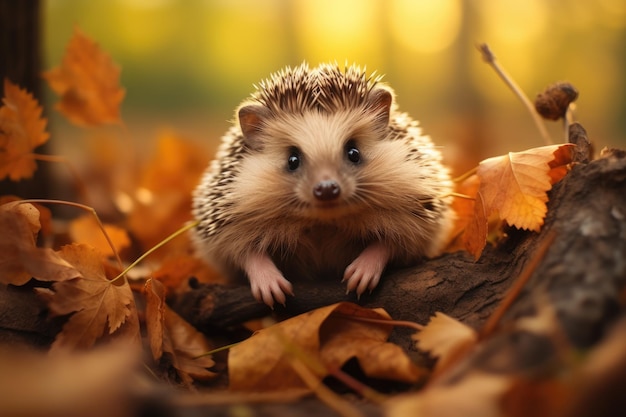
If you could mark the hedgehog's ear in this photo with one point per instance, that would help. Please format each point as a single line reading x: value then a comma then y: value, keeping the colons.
x: 379, y: 102
x: 252, y: 120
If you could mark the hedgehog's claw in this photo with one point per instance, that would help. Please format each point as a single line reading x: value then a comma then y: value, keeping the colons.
x: 365, y: 271
x: 266, y: 281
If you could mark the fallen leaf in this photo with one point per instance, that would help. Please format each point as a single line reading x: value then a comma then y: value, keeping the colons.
x: 475, y: 235
x: 88, y: 83
x: 342, y: 338
x: 22, y: 129
x: 261, y: 363
x: 20, y: 258
x: 516, y: 185
x: 445, y: 338
x: 463, y: 206
x: 98, y: 306
x: 85, y: 229
x: 171, y: 334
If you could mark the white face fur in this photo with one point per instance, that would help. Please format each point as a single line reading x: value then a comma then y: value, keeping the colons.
x: 312, y: 164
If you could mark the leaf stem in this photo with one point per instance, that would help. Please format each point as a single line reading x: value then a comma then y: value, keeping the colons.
x: 395, y: 323
x: 490, y: 59
x: 157, y: 246
x: 465, y: 176
x: 86, y: 208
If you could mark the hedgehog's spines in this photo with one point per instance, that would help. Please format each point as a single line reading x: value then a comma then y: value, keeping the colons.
x: 325, y: 88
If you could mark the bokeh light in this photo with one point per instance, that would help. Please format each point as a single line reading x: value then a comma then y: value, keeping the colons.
x: 189, y: 63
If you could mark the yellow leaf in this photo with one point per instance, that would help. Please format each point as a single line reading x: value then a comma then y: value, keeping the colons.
x: 445, y: 338
x: 88, y: 83
x: 22, y: 129
x: 99, y: 306
x: 515, y: 185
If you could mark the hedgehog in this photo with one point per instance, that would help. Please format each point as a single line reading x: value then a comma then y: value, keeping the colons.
x: 321, y: 177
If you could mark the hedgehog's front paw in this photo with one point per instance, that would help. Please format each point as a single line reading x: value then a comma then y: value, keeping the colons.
x: 365, y: 271
x: 266, y: 281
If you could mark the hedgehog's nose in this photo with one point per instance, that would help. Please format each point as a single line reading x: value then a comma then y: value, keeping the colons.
x: 326, y: 190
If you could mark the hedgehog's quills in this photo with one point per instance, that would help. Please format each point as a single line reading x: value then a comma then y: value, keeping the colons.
x: 321, y: 177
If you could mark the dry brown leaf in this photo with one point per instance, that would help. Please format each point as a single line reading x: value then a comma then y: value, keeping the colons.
x: 85, y: 229
x: 155, y: 316
x: 20, y: 259
x: 99, y: 307
x: 445, y: 338
x: 88, y: 82
x: 261, y: 363
x: 168, y: 332
x: 516, y: 185
x: 22, y: 129
x: 342, y: 338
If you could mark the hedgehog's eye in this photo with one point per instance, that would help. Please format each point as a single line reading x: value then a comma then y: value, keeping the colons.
x: 293, y: 161
x: 352, y: 152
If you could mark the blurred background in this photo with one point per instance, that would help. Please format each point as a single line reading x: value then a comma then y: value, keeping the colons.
x: 187, y: 64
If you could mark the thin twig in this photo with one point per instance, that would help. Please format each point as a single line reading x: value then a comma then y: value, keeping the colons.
x: 395, y: 323
x: 490, y: 59
x: 157, y: 246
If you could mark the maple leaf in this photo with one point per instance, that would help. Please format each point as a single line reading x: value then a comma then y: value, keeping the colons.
x: 97, y: 304
x: 516, y: 184
x: 20, y: 258
x: 262, y: 362
x: 88, y: 83
x: 22, y: 129
x: 168, y: 332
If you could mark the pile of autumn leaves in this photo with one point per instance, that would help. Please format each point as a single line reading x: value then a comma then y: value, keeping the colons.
x: 90, y: 286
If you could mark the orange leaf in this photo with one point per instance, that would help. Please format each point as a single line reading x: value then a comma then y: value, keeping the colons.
x: 22, y: 129
x: 20, y: 259
x: 155, y: 317
x: 88, y: 83
x: 97, y: 304
x: 516, y: 184
x: 85, y: 229
x: 475, y: 235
